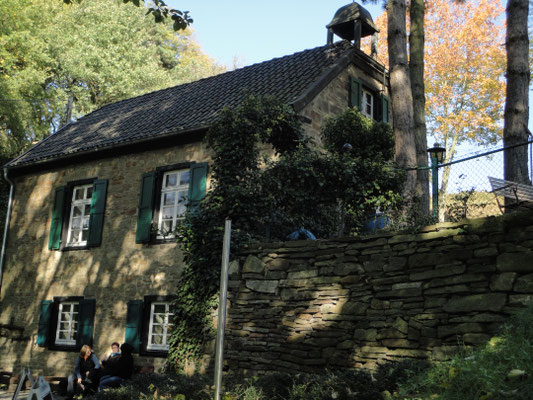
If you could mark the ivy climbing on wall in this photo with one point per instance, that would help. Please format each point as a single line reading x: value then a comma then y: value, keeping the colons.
x: 270, y: 180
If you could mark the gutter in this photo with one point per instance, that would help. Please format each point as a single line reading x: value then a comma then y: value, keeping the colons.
x: 8, y: 218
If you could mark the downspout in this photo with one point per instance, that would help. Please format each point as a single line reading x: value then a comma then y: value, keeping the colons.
x: 8, y: 218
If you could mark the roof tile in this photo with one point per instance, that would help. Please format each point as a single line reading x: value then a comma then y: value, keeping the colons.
x: 186, y: 107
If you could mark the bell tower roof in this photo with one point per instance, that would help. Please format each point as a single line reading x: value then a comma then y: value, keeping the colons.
x: 345, y: 20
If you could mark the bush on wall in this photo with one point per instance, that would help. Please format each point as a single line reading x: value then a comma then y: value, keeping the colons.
x: 327, y: 192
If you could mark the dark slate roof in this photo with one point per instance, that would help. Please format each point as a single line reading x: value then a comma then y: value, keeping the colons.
x: 191, y: 106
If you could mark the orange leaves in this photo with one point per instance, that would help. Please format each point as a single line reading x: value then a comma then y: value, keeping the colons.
x: 464, y: 68
x: 465, y: 65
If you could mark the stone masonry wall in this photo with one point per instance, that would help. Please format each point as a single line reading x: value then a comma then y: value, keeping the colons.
x: 113, y: 273
x: 333, y: 100
x: 358, y: 302
x: 117, y: 271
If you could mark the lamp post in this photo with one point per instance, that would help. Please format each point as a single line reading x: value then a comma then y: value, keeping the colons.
x: 436, y: 153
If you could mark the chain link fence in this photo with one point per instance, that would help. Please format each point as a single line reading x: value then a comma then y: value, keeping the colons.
x: 464, y: 188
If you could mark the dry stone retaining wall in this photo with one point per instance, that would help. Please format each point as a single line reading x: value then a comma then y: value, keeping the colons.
x: 306, y: 305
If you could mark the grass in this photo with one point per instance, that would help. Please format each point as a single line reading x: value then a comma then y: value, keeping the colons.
x: 484, y: 373
x: 471, y: 204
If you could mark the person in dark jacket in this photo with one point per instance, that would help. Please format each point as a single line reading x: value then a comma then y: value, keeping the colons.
x: 117, y: 368
x: 115, y: 349
x: 85, y: 372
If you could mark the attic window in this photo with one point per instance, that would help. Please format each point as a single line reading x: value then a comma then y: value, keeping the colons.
x: 367, y: 106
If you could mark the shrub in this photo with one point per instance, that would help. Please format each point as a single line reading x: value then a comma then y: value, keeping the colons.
x: 349, y: 384
x: 267, y: 198
x: 483, y: 373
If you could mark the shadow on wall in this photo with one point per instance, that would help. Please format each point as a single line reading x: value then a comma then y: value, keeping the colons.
x: 359, y: 302
x: 113, y: 273
x: 296, y: 312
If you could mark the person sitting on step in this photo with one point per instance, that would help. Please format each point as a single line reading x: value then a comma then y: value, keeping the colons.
x: 85, y: 376
x: 117, y: 368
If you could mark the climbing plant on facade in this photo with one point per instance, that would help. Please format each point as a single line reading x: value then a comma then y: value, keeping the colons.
x: 271, y: 181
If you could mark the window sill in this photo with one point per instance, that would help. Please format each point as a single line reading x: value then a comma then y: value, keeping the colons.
x: 163, y: 241
x: 73, y: 248
x: 153, y: 353
x: 62, y: 347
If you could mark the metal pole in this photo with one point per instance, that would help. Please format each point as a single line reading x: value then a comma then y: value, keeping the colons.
x: 6, y: 228
x: 219, y: 355
x: 435, y: 190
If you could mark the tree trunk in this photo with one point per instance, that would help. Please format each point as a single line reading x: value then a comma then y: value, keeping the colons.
x: 401, y: 95
x: 416, y: 68
x: 68, y: 112
x: 516, y: 104
x: 445, y: 171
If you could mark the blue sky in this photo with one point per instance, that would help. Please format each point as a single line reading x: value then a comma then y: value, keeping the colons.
x: 253, y: 31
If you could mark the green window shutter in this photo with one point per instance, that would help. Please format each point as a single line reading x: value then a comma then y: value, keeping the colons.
x: 54, y: 241
x: 385, y: 109
x: 356, y: 93
x: 86, y: 322
x: 134, y: 324
x: 146, y: 208
x: 197, y: 184
x: 45, y: 315
x: 96, y: 221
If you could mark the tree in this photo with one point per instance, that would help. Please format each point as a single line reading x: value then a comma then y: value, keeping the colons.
x: 87, y: 54
x: 401, y: 95
x: 416, y: 69
x: 59, y: 62
x: 515, y: 129
x: 22, y: 74
x: 161, y: 11
x: 464, y: 74
x: 270, y: 197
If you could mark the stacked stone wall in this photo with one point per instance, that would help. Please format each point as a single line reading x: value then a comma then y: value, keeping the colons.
x: 358, y: 302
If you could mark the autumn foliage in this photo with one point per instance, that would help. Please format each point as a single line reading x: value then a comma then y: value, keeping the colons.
x: 464, y: 70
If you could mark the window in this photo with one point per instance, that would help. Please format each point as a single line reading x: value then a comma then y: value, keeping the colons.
x: 174, y: 191
x: 365, y: 98
x: 148, y: 325
x: 367, y: 106
x: 78, y: 215
x: 80, y: 211
x: 66, y: 323
x: 159, y: 324
x: 166, y: 194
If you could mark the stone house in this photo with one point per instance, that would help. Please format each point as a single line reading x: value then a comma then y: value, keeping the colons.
x: 81, y: 261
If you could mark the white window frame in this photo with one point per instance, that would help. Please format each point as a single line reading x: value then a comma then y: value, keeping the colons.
x: 72, y: 320
x: 365, y: 104
x: 166, y: 324
x: 81, y: 203
x: 178, y: 212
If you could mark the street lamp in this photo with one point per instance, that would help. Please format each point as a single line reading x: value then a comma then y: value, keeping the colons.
x: 436, y: 153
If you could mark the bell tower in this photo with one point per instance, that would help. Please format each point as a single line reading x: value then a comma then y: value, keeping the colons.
x: 353, y: 22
